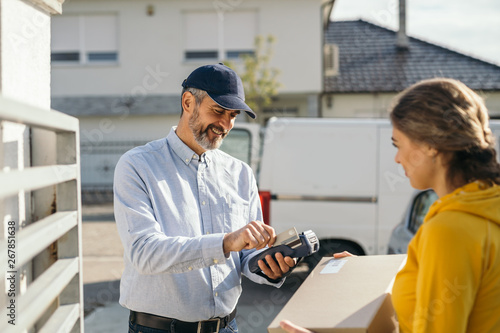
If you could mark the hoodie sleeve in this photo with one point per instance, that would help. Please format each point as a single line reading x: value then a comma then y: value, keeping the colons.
x: 449, y: 269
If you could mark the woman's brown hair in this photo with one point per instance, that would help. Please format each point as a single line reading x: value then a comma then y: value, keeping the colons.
x: 450, y: 117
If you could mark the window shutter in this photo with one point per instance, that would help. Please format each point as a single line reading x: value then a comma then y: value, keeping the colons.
x: 65, y: 34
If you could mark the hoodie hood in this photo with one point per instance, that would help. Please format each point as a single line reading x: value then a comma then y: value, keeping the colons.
x: 476, y: 198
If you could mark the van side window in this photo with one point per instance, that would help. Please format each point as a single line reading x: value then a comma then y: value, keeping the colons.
x: 238, y: 143
x: 421, y: 206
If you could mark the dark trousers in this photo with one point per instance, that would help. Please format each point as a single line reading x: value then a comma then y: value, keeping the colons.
x: 134, y: 328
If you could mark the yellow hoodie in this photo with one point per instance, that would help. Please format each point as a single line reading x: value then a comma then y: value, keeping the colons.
x: 451, y: 280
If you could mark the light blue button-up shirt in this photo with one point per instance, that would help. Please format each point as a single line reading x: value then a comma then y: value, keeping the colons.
x: 172, y: 209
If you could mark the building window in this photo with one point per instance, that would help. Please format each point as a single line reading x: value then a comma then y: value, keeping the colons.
x: 208, y: 54
x: 84, y: 39
x: 219, y: 36
x: 66, y: 56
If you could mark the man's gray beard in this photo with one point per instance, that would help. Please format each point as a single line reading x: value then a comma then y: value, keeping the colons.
x: 200, y: 136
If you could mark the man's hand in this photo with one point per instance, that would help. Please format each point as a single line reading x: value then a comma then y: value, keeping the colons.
x: 292, y: 328
x: 276, y: 269
x: 255, y: 235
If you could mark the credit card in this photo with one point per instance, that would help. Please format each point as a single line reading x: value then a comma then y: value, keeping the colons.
x: 288, y: 237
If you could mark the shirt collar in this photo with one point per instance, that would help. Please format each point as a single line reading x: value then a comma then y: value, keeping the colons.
x: 183, y: 151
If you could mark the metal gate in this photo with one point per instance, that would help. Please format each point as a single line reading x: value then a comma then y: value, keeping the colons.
x: 56, y: 295
x: 98, y: 165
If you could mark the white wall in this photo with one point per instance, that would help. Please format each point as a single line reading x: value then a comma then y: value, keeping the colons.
x: 25, y: 76
x: 95, y: 130
x: 25, y: 53
x: 377, y: 105
x: 356, y: 105
x: 155, y: 44
x: 297, y: 27
x: 492, y: 101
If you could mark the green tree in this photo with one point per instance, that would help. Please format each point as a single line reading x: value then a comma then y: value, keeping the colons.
x: 259, y: 79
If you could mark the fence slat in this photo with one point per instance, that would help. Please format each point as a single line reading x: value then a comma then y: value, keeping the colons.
x: 18, y: 112
x: 35, y: 178
x: 37, y: 236
x: 41, y: 294
x: 63, y: 320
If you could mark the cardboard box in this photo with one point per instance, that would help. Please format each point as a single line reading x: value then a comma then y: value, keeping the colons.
x: 345, y: 295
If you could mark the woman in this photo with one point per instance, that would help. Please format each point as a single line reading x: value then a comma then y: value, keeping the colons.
x: 451, y: 281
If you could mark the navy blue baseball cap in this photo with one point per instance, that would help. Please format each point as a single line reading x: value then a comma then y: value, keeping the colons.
x: 222, y: 84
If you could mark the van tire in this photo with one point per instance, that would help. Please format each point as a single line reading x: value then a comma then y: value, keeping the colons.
x: 330, y: 246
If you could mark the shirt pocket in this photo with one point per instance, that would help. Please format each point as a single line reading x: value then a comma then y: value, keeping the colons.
x: 236, y: 214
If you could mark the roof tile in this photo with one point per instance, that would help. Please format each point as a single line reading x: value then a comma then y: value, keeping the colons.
x: 369, y: 61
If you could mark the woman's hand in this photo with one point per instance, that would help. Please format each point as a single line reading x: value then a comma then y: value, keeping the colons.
x: 292, y: 328
x: 343, y: 255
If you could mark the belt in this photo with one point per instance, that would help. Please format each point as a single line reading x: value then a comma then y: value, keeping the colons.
x: 163, y: 323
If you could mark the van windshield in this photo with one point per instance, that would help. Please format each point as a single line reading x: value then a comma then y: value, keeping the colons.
x: 238, y: 144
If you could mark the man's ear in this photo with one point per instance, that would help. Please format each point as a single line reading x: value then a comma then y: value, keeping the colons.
x: 188, y: 102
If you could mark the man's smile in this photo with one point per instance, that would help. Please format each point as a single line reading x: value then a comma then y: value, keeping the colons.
x: 218, y: 131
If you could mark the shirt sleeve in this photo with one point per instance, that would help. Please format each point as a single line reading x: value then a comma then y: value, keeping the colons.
x: 146, y: 246
x: 246, y: 255
x: 447, y: 278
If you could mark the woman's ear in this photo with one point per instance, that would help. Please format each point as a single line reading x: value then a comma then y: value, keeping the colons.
x: 431, y: 151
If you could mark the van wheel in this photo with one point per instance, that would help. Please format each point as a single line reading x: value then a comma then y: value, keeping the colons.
x: 330, y: 246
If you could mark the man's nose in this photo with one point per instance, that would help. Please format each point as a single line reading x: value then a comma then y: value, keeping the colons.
x: 226, y: 121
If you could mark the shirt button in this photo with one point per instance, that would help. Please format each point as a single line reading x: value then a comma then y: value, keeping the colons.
x: 216, y: 294
x: 216, y: 261
x: 203, y: 203
x: 194, y: 156
x: 187, y: 160
x: 190, y: 268
x: 208, y: 232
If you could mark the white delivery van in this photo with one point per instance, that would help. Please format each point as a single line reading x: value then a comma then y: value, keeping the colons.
x: 336, y: 177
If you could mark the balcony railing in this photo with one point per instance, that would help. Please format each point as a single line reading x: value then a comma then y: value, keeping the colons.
x: 53, y: 300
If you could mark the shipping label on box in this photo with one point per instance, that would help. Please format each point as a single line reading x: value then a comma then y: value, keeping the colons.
x: 345, y: 295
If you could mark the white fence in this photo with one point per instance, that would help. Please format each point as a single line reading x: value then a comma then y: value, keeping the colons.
x: 53, y: 301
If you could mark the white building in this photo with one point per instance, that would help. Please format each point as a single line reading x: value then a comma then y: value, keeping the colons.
x: 118, y: 65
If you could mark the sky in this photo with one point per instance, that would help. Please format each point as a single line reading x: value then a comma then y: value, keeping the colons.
x: 471, y: 27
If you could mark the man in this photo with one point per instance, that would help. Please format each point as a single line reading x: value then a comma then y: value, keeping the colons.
x: 189, y: 216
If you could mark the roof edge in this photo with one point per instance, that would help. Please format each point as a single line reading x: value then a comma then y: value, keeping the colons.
x: 424, y: 40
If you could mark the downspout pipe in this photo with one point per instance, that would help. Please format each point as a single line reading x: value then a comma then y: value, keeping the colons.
x: 325, y: 12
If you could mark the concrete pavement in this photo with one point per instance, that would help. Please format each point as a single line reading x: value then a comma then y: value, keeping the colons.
x: 102, y: 269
